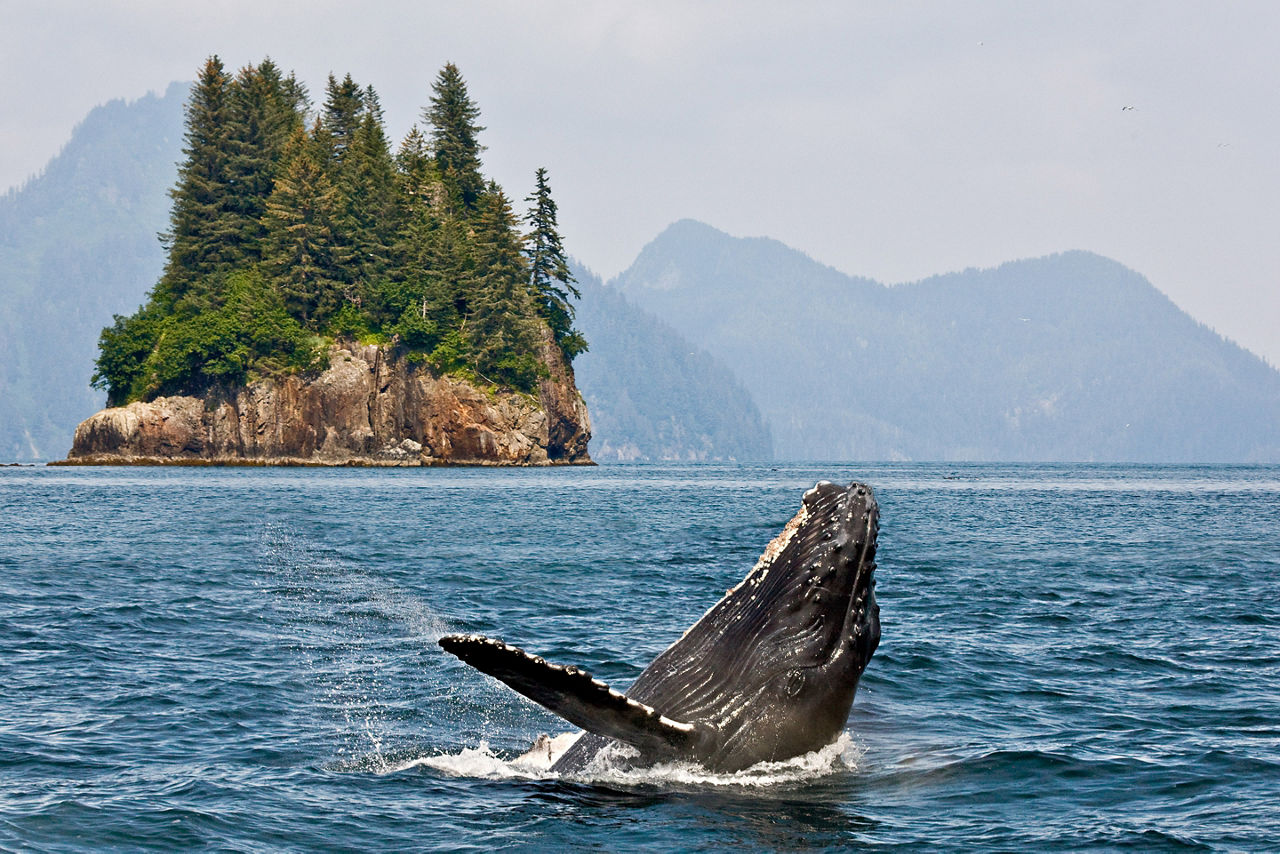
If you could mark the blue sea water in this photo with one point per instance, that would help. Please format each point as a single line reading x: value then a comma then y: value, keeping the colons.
x: 1073, y: 657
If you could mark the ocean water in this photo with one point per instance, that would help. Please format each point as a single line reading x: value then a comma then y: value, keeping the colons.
x: 1073, y: 658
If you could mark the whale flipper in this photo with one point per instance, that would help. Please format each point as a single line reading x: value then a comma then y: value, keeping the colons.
x: 574, y: 695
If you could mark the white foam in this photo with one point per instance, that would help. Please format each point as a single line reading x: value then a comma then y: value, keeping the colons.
x: 478, y: 762
x: 481, y: 762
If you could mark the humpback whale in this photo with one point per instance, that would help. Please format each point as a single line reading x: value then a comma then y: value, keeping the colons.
x: 768, y: 673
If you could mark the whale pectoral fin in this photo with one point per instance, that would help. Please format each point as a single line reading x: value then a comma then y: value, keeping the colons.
x: 572, y: 694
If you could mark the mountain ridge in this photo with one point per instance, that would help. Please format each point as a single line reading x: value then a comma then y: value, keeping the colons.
x: 655, y: 396
x: 1070, y: 357
x: 77, y: 245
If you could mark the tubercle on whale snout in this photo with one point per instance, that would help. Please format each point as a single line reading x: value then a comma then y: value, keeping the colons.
x: 861, y: 633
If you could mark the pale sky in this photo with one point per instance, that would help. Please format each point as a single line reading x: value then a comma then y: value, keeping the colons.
x: 893, y: 140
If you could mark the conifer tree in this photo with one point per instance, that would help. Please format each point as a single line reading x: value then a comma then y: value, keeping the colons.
x: 454, y: 136
x: 370, y: 216
x: 549, y: 277
x: 372, y: 103
x: 295, y: 95
x: 261, y: 119
x: 340, y: 116
x: 419, y: 295
x: 285, y: 107
x: 199, y: 223
x: 503, y: 316
x: 362, y: 171
x: 420, y: 196
x: 300, y: 240
x: 414, y: 164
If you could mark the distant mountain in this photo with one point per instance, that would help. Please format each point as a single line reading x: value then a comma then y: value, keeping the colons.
x: 77, y: 245
x: 1071, y: 357
x: 654, y: 396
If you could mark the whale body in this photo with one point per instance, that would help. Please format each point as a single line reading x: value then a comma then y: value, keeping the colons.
x: 768, y: 673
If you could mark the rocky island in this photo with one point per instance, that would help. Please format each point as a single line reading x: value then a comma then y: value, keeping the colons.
x: 370, y: 407
x: 326, y: 302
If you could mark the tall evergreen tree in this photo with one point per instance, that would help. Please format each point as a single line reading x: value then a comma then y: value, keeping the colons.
x: 300, y: 241
x: 340, y: 116
x: 549, y: 277
x: 339, y: 123
x: 416, y: 293
x: 295, y: 94
x: 199, y: 224
x: 416, y: 171
x: 454, y: 136
x: 261, y: 119
x: 285, y: 107
x: 370, y: 217
x: 417, y: 193
x: 372, y: 103
x: 503, y: 321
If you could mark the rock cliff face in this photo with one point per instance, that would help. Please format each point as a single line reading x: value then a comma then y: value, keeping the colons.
x: 370, y: 407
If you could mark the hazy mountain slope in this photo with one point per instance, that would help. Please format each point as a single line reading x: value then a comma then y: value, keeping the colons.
x: 654, y: 396
x: 78, y: 244
x: 1069, y: 357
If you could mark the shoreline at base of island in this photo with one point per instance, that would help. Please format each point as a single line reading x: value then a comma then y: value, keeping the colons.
x: 372, y: 407
x: 300, y: 462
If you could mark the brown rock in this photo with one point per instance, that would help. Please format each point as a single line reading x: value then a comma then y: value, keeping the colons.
x: 370, y: 407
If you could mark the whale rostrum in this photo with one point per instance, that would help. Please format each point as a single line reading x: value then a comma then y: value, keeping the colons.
x: 768, y: 673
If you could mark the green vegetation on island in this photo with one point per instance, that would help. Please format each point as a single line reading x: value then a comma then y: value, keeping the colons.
x: 289, y: 229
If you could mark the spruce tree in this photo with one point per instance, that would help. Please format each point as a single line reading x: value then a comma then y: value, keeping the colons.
x: 300, y: 240
x: 340, y: 116
x: 372, y: 103
x: 503, y: 328
x: 285, y: 107
x: 199, y: 223
x: 549, y: 277
x: 370, y: 217
x: 417, y: 295
x: 296, y: 96
x: 415, y: 165
x: 420, y: 197
x: 454, y: 136
x: 261, y: 119
x: 337, y: 128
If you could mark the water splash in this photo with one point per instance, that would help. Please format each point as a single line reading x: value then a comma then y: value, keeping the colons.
x: 317, y: 585
x: 351, y: 631
x: 481, y: 762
